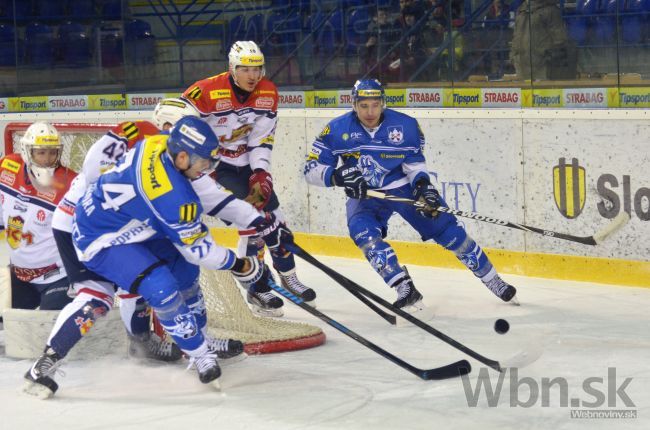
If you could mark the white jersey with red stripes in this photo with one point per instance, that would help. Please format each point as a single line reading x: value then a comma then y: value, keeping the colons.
x: 26, y: 213
x: 246, y: 129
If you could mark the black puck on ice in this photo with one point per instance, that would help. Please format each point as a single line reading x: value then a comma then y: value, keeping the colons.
x: 501, y: 326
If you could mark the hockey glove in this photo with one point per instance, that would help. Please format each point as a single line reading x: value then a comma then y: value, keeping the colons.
x: 274, y: 233
x: 247, y: 270
x: 352, y: 180
x: 426, y: 193
x: 260, y: 186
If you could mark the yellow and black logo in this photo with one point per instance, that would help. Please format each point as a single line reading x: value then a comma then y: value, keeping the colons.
x: 188, y: 212
x: 195, y: 93
x: 569, y: 188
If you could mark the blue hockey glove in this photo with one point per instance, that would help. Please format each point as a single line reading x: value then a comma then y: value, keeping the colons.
x: 274, y: 233
x: 426, y: 193
x: 352, y: 180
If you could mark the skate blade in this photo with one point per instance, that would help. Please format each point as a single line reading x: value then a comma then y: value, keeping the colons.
x: 419, y: 310
x: 514, y: 301
x: 216, y: 385
x: 37, y: 390
x: 275, y: 313
x: 232, y: 360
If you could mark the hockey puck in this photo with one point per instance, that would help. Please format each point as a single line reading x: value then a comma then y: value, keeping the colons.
x: 501, y: 326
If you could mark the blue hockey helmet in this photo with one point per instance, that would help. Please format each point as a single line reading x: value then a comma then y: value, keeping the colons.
x: 368, y: 89
x: 194, y: 136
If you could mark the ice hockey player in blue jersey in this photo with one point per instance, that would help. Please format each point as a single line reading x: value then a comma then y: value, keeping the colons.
x: 376, y: 148
x: 139, y: 227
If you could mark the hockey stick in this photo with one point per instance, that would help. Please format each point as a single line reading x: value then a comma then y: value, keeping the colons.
x: 342, y: 280
x: 595, y: 239
x: 452, y: 370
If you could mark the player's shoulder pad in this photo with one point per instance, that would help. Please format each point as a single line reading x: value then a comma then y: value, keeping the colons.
x: 134, y: 131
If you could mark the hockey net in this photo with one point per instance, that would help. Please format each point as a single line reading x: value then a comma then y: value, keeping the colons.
x: 228, y: 314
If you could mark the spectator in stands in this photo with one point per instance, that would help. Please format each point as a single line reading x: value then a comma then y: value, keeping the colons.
x: 541, y: 48
x: 496, y: 32
x: 417, y: 40
x: 378, y: 52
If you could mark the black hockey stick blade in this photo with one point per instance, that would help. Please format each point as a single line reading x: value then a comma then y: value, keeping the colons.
x: 459, y: 368
x: 341, y: 280
x: 389, y: 306
x: 596, y: 239
x: 449, y: 371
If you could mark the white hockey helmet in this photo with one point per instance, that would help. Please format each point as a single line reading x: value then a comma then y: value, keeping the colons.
x: 37, y: 136
x: 245, y: 53
x: 169, y: 111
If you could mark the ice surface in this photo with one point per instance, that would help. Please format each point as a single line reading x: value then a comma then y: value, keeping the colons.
x: 568, y: 330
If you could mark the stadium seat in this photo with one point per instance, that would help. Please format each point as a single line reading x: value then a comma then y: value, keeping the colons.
x: 356, y: 29
x: 39, y: 45
x: 49, y: 9
x: 236, y: 29
x: 81, y: 9
x: 140, y: 43
x: 8, y: 45
x: 255, y: 29
x: 632, y: 25
x: 283, y: 31
x: 75, y: 45
x: 577, y: 24
x: 111, y: 43
x: 22, y: 8
x: 111, y: 10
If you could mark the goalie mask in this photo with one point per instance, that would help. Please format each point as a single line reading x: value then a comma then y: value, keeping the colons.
x: 170, y: 111
x: 246, y: 54
x: 41, y: 151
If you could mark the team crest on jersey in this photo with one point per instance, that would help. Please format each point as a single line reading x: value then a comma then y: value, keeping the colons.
x: 84, y: 324
x: 372, y: 171
x: 238, y: 133
x: 40, y: 215
x: 396, y: 134
x: 15, y: 233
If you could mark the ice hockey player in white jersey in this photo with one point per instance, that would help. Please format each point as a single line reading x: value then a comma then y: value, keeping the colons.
x: 241, y: 107
x: 139, y: 227
x: 135, y: 313
x: 31, y: 185
x: 376, y: 148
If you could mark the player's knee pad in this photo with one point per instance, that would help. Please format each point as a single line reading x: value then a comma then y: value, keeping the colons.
x: 160, y: 289
x: 380, y: 254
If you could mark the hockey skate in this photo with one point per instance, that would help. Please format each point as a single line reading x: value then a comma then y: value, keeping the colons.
x: 39, y: 381
x: 263, y: 301
x: 149, y: 345
x: 502, y: 290
x: 207, y: 367
x: 409, y: 299
x: 291, y: 282
x: 228, y: 350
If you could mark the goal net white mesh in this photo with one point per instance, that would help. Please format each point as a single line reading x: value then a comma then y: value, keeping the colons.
x: 228, y: 314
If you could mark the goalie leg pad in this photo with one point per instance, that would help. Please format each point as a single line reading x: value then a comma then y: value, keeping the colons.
x: 75, y: 320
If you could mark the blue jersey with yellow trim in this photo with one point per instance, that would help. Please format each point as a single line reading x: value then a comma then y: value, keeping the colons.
x: 144, y: 197
x: 388, y: 156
